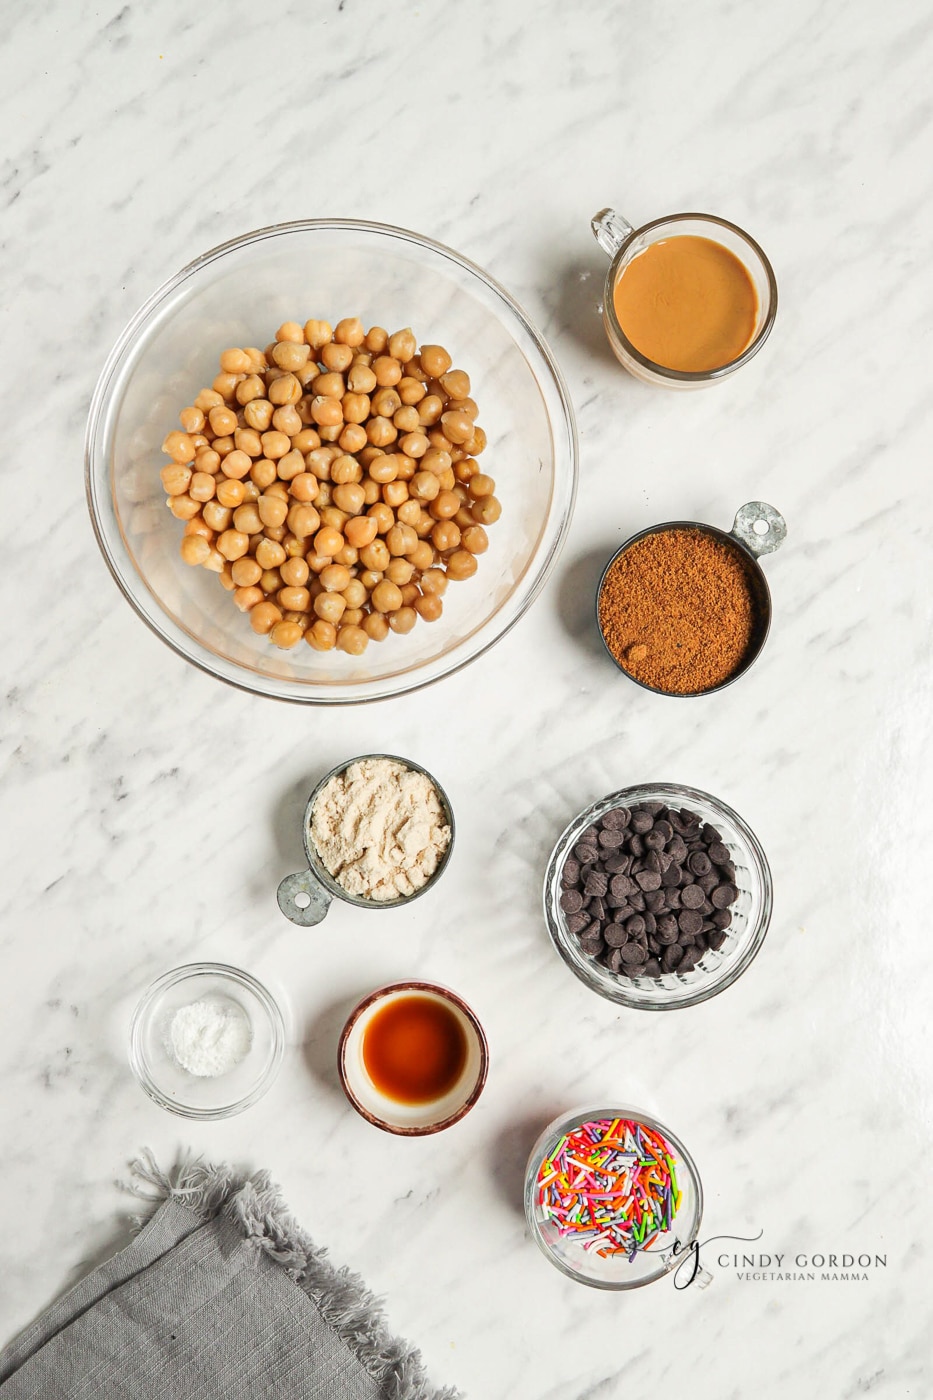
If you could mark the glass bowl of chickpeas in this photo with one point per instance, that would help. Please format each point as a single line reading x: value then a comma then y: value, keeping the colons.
x: 331, y: 461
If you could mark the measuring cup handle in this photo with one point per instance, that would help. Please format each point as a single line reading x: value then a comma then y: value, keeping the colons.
x: 302, y: 899
x: 610, y: 230
x: 760, y: 528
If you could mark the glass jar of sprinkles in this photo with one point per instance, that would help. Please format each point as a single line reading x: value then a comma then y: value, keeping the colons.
x: 612, y: 1197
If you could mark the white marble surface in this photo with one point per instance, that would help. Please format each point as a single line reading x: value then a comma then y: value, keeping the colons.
x: 148, y: 812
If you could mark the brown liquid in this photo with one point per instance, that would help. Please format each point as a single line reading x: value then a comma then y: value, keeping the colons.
x: 687, y: 303
x: 414, y: 1049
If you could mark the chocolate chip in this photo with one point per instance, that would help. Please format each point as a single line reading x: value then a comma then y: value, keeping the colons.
x: 722, y: 918
x: 690, y: 959
x: 631, y: 953
x: 637, y: 901
x: 652, y: 968
x: 592, y: 945
x: 616, y: 818
x: 596, y: 883
x: 651, y: 922
x: 670, y: 878
x: 621, y: 886
x: 671, y: 957
x: 611, y: 838
x: 586, y: 851
x: 636, y: 845
x: 654, y: 900
x: 724, y: 895
x: 717, y: 938
x: 571, y: 901
x: 635, y: 926
x: 615, y: 935
x: 699, y: 863
x: 642, y: 820
x: 690, y: 921
x: 718, y: 853
x: 614, y: 961
x: 654, y: 841
x: 648, y: 880
x: 667, y: 929
x: 691, y: 897
x: 618, y: 864
x: 597, y: 907
x: 571, y: 872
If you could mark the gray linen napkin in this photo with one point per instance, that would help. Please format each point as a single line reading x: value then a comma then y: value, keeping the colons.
x: 221, y: 1296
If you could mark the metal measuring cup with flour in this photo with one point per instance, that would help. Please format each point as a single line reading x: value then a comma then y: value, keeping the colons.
x: 378, y: 831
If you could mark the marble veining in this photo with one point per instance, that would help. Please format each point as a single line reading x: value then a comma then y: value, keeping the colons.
x: 148, y: 813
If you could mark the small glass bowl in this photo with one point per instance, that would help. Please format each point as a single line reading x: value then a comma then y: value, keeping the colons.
x: 751, y: 913
x: 237, y: 294
x: 190, y: 1095
x: 614, y: 1272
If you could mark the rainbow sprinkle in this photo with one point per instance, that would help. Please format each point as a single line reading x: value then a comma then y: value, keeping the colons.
x: 610, y: 1186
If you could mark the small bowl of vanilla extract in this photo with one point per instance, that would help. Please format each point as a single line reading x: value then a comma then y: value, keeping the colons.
x: 413, y: 1058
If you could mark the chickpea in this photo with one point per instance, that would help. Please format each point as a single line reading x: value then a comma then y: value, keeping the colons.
x: 217, y: 515
x: 350, y: 498
x: 287, y: 420
x: 233, y: 544
x: 372, y: 491
x: 414, y: 444
x: 208, y: 399
x: 477, y: 442
x: 400, y: 571
x: 403, y: 620
x: 361, y: 379
x: 353, y: 617
x: 327, y: 540
x: 184, y: 507
x: 361, y: 531
x: 355, y: 408
x: 401, y: 539
x: 293, y: 599
x: 475, y: 539
x: 294, y: 572
x: 304, y: 521
x: 306, y: 440
x: 246, y: 598
x: 377, y: 338
x: 411, y: 391
x: 387, y: 371
x: 245, y: 572
x: 215, y: 563
x: 435, y: 360
x: 176, y: 479
x: 225, y: 578
x: 236, y: 465
x: 285, y: 392
x: 321, y: 635
x: 248, y: 389
x: 258, y: 414
x: 207, y: 460
x: 467, y: 406
x: 466, y: 469
x: 407, y: 512
x: 384, y: 469
x: 461, y: 564
x: 424, y: 486
x: 286, y: 634
x: 385, y: 403
x: 349, y: 331
x: 480, y: 485
x: 422, y: 556
x: 318, y: 463
x: 304, y: 487
x: 447, y: 479
x: 275, y: 445
x: 196, y: 526
x: 445, y: 505
x: 376, y: 626
x: 272, y: 510
x: 435, y: 461
x: 395, y: 493
x: 222, y: 421
x: 335, y: 578
x: 269, y: 554
x: 337, y: 357
x: 323, y: 494
x: 381, y: 431
x: 317, y: 334
x: 345, y: 469
x: 486, y: 511
x: 455, y: 383
x: 195, y: 549
x: 329, y: 606
x: 331, y: 386
x: 290, y: 355
x: 430, y: 409
x: 248, y: 440
x: 406, y: 419
x: 251, y: 491
x: 434, y: 581
x: 270, y: 582
x: 375, y: 556
x: 246, y: 519
x: 353, y: 640
x: 457, y: 427
x: 369, y: 578
x: 326, y: 412
x: 333, y: 516
x: 402, y: 345
x: 354, y: 595
x: 429, y: 606
x: 191, y: 419
x: 383, y: 517
x: 386, y: 597
x: 353, y: 438
x: 445, y: 535
x: 290, y: 466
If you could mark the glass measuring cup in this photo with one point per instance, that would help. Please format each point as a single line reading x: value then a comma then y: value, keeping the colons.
x: 616, y: 236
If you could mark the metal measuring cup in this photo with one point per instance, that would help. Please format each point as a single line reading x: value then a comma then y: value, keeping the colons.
x: 758, y: 529
x: 306, y: 896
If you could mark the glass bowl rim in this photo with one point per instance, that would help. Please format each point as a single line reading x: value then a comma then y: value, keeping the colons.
x: 573, y: 1119
x: 174, y: 977
x: 633, y: 998
x: 115, y: 362
x: 683, y: 376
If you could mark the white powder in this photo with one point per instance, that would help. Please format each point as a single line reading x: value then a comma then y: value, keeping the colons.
x: 209, y: 1038
x: 379, y: 829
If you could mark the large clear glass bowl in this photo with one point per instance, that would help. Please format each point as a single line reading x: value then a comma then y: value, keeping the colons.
x: 751, y: 913
x: 238, y: 294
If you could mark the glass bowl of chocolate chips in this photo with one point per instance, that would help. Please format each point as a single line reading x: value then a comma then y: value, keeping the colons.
x: 658, y: 896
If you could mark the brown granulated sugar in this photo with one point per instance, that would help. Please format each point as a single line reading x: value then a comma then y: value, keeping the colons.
x: 677, y: 612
